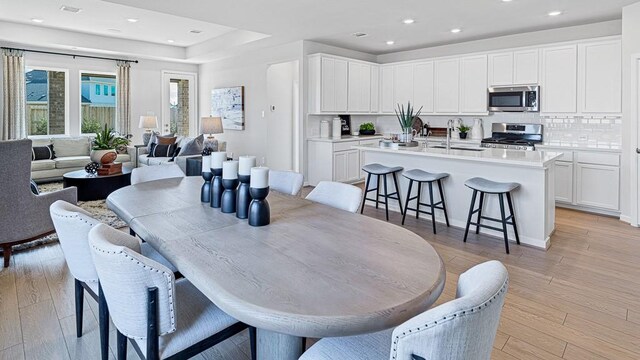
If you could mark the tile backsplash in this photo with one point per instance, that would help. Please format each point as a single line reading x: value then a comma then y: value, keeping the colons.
x: 591, y: 131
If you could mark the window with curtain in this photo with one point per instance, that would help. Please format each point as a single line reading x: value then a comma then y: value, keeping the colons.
x: 46, y: 101
x: 98, y: 107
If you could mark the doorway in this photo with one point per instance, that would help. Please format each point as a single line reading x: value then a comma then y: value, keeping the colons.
x: 283, y: 125
x: 179, y: 111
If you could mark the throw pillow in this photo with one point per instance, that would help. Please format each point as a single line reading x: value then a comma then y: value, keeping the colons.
x: 166, y: 140
x: 43, y: 153
x: 175, y: 153
x: 158, y: 150
x: 152, y: 140
x: 34, y: 188
x: 193, y: 147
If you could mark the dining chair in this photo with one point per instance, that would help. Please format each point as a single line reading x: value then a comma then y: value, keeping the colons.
x: 72, y: 225
x: 156, y: 172
x: 338, y: 195
x: 286, y: 182
x: 164, y: 318
x: 461, y: 329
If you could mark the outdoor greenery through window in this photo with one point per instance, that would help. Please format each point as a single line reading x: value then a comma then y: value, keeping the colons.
x: 46, y: 101
x: 98, y: 103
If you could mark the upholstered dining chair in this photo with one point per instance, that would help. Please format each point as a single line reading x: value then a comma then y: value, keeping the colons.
x: 338, y: 195
x: 156, y: 172
x: 72, y: 224
x: 17, y: 201
x: 286, y: 182
x: 164, y: 318
x: 461, y: 329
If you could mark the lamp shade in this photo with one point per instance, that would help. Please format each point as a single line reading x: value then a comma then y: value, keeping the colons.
x: 211, y: 125
x: 148, y: 122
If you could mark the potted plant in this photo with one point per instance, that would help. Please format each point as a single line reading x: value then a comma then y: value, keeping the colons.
x: 463, y: 130
x: 367, y: 129
x: 405, y: 118
x: 104, y: 146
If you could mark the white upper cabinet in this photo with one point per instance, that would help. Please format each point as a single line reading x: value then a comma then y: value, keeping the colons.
x: 559, y: 79
x: 447, y: 85
x: 473, y: 84
x: 333, y: 84
x: 359, y: 99
x: 386, y: 89
x: 423, y: 87
x: 600, y: 78
x: 375, y: 88
x: 525, y: 67
x: 341, y: 85
x: 402, y: 84
x: 501, y: 69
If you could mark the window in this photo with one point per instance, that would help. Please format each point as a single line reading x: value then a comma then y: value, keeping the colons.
x: 99, y: 108
x: 46, y: 92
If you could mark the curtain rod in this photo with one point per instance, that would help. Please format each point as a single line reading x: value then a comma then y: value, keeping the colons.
x: 72, y: 55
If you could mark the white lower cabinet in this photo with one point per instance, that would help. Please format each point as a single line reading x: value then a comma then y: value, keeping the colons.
x: 564, y: 181
x: 598, y: 186
x: 336, y: 161
x: 346, y: 166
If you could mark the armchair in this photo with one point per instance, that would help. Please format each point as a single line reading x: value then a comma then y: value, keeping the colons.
x: 24, y: 216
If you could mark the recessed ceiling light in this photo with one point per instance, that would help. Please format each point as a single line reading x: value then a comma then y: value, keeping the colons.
x: 115, y: 30
x: 456, y: 30
x: 170, y: 41
x: 70, y: 9
x: 390, y: 42
x: 132, y: 20
x: 506, y: 0
x: 359, y: 34
x: 37, y: 20
x: 555, y: 13
x: 408, y: 21
x: 195, y: 31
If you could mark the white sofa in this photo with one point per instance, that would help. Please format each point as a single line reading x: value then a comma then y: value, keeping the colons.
x: 181, y: 161
x: 72, y: 153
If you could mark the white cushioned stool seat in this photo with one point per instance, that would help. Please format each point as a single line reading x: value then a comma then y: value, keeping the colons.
x: 379, y: 169
x: 491, y: 187
x: 423, y: 176
x: 370, y: 346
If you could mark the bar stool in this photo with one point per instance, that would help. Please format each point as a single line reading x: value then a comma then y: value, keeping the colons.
x: 382, y: 171
x: 484, y: 186
x: 421, y: 177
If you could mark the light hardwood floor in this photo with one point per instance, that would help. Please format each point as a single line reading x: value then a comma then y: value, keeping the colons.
x: 579, y: 300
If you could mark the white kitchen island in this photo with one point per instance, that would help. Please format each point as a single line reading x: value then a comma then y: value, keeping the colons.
x: 534, y: 201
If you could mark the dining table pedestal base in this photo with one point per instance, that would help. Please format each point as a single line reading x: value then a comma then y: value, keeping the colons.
x: 276, y: 346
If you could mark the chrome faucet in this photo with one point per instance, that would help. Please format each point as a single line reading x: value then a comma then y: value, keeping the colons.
x: 450, y: 124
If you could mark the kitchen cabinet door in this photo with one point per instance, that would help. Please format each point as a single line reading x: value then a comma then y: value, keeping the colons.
x: 423, y: 87
x: 473, y: 84
x: 359, y: 87
x: 447, y: 86
x: 564, y: 181
x: 598, y: 186
x: 403, y: 84
x: 353, y: 165
x: 501, y: 69
x: 386, y: 89
x: 341, y: 85
x: 340, y: 166
x: 525, y: 67
x: 559, y: 79
x: 328, y: 84
x: 375, y: 89
x: 601, y: 77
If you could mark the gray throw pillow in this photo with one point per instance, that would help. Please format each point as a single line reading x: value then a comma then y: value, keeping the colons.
x: 193, y: 147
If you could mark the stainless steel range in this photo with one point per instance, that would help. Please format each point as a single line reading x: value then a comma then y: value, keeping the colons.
x: 514, y: 136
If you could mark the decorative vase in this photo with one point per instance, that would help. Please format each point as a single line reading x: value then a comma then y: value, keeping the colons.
x: 477, y: 132
x: 103, y: 157
x: 259, y: 211
x: 216, y: 188
x: 243, y: 197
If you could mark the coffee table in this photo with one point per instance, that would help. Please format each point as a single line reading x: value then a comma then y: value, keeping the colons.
x: 96, y: 187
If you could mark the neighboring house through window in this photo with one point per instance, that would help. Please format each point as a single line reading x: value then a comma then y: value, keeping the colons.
x: 46, y: 98
x: 97, y: 108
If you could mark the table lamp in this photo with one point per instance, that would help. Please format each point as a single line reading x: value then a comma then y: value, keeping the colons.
x: 148, y: 122
x: 211, y: 125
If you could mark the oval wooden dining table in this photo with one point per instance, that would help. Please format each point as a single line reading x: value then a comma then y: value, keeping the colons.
x: 315, y: 271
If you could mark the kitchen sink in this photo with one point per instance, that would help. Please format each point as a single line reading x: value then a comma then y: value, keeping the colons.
x: 457, y: 148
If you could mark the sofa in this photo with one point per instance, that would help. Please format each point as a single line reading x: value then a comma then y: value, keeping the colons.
x: 180, y: 160
x: 71, y: 153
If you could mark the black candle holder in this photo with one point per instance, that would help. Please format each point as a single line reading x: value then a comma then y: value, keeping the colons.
x: 205, y: 193
x: 259, y: 211
x: 229, y: 195
x: 216, y: 188
x: 243, y: 197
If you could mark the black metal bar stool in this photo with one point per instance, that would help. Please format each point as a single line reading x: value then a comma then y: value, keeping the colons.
x: 382, y: 171
x: 484, y: 186
x: 421, y: 177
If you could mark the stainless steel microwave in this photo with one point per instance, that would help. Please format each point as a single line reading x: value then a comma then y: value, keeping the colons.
x: 524, y: 98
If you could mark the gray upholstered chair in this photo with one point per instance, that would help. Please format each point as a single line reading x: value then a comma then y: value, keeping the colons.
x: 150, y: 173
x: 162, y: 317
x: 461, y: 329
x: 72, y: 225
x: 24, y: 216
x: 286, y: 182
x: 338, y: 195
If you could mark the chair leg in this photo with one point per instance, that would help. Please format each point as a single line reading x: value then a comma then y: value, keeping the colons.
x: 473, y: 202
x: 79, y: 306
x: 121, y: 341
x: 480, y: 212
x: 378, y: 190
x: 406, y: 204
x: 103, y: 323
x: 444, y: 206
x: 153, y: 346
x: 366, y: 188
x: 433, y: 209
x: 513, y: 218
x: 395, y: 183
x: 6, y: 250
x: 131, y: 232
x: 252, y: 342
x: 504, y: 222
x: 386, y: 197
x: 418, y: 201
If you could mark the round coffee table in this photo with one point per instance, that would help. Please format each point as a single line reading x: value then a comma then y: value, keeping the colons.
x: 96, y: 187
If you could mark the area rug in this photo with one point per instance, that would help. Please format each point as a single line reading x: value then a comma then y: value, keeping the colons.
x: 97, y: 208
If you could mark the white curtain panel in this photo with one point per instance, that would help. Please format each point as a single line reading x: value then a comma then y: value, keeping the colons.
x: 14, y: 124
x: 124, y: 97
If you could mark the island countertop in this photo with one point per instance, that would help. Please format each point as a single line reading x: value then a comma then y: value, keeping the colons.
x: 517, y: 158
